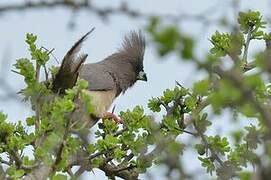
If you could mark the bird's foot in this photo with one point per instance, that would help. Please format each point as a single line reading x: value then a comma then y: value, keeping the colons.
x: 111, y: 115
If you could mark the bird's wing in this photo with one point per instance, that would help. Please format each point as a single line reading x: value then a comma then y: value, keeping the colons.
x: 98, y: 77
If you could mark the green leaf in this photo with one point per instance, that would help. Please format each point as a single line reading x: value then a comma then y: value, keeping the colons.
x: 187, y: 50
x: 237, y: 135
x: 110, y: 126
x: 153, y: 24
x: 170, y: 123
x: 119, y: 154
x: 168, y: 96
x: 250, y: 20
x: 87, y: 99
x: 30, y: 40
x: 221, y: 43
x: 257, y: 35
x: 53, y: 70
x: 208, y: 163
x: 143, y: 164
x: 154, y: 105
x: 14, y: 173
x: 59, y: 177
x: 225, y: 94
x: 175, y: 148
x: 82, y: 84
x: 111, y: 140
x: 30, y: 121
x: 253, y: 137
x: 27, y: 161
x: 133, y: 119
x: 73, y: 144
x: 191, y: 102
x: 245, y: 175
x: 221, y: 145
x: 201, y: 122
x: 39, y: 153
x: 201, y: 88
x: 38, y: 54
x: 167, y: 39
x: 97, y: 162
x: 256, y: 83
x: 127, y: 138
x: 200, y: 148
x: 44, y: 151
x: 18, y: 173
x: 91, y: 148
x: 70, y: 93
x: 248, y: 110
x: 139, y: 145
x: 68, y: 105
x: 3, y: 117
x: 107, y: 143
x: 7, y: 128
x: 26, y: 69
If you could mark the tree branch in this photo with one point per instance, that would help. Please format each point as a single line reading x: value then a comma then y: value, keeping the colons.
x: 41, y: 4
x: 104, y: 12
x: 247, y: 44
x: 237, y: 79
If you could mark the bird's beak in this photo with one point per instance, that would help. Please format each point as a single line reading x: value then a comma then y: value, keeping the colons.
x: 142, y: 76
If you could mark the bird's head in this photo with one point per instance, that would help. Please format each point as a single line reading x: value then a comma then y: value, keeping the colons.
x: 134, y: 47
x: 142, y: 76
x: 126, y: 65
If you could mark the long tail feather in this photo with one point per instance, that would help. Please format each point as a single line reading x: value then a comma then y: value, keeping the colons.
x: 69, y: 69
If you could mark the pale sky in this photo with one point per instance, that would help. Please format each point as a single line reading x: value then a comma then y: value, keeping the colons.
x: 51, y: 26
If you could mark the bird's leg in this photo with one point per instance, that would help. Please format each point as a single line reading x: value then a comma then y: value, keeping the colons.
x: 111, y: 115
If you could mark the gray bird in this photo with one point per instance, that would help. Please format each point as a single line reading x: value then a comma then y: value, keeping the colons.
x: 107, y: 78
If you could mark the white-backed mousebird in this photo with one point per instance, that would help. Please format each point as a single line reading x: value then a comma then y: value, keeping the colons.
x: 107, y: 78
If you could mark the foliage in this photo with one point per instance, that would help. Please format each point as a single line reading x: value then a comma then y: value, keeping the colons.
x: 244, y: 94
x: 142, y: 141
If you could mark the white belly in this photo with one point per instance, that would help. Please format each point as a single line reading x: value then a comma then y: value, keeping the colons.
x: 101, y: 101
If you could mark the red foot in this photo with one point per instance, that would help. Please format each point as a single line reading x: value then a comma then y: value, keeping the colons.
x: 112, y: 116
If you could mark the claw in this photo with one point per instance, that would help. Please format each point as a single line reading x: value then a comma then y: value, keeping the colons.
x: 110, y: 115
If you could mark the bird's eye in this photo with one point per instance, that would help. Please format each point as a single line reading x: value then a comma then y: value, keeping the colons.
x: 142, y: 76
x: 141, y: 73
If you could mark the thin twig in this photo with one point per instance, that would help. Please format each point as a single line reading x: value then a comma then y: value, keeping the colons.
x: 249, y: 66
x: 128, y: 158
x: 50, y: 52
x: 46, y: 73
x: 125, y: 168
x: 247, y: 44
x: 16, y: 72
x: 16, y: 157
x: 69, y: 171
x: 164, y: 104
x: 29, y: 167
x: 188, y: 132
x: 213, y: 152
x: 120, y: 131
x: 5, y: 162
x: 37, y: 108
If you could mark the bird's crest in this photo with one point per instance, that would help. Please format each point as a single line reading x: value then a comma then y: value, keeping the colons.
x: 133, y: 46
